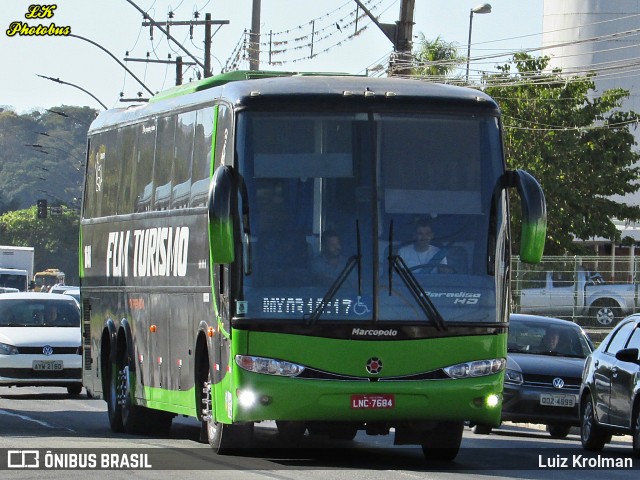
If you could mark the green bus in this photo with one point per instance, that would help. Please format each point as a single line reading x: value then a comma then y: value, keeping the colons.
x: 241, y: 257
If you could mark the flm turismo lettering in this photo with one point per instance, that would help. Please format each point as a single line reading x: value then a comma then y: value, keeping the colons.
x: 157, y: 252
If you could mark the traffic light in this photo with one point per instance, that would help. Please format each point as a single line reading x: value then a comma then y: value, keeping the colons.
x: 42, y: 208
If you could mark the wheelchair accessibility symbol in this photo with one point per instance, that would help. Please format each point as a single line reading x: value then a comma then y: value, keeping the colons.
x: 360, y: 308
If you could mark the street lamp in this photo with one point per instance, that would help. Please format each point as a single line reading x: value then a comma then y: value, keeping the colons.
x: 484, y: 8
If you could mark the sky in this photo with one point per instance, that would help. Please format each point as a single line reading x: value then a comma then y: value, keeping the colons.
x: 116, y: 26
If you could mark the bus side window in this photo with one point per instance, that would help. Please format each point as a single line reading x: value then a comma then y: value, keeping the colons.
x: 163, y: 162
x: 182, y: 160
x: 129, y: 150
x: 90, y: 194
x: 141, y: 179
x: 201, y: 166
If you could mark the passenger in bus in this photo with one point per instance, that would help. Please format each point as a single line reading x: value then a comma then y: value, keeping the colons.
x: 328, y: 265
x: 420, y: 256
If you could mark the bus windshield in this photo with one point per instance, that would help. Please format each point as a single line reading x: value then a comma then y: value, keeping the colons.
x: 372, y: 212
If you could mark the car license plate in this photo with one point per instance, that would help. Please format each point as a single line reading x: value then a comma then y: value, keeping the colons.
x: 48, y: 365
x: 373, y: 402
x: 551, y: 400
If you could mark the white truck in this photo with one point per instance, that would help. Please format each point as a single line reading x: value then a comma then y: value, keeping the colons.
x: 16, y: 268
x: 575, y: 294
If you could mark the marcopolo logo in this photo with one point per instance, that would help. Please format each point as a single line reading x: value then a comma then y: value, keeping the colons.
x: 361, y: 332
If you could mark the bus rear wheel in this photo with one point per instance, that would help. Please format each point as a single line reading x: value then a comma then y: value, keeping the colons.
x: 134, y: 418
x: 442, y: 443
x: 114, y: 410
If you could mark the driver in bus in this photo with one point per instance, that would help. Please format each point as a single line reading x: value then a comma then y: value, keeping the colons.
x: 421, y: 256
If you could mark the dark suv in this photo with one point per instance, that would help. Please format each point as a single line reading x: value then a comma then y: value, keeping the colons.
x: 610, y: 390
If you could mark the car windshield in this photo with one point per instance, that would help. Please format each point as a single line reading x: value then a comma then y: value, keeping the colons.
x: 538, y: 338
x: 39, y: 313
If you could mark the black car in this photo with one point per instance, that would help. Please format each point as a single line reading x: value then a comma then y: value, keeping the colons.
x: 545, y: 360
x: 610, y: 390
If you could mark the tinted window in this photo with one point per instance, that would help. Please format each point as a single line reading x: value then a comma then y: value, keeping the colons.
x: 547, y: 339
x: 634, y: 342
x: 39, y: 313
x: 185, y: 130
x: 127, y: 136
x: 201, y: 170
x: 620, y: 337
x: 141, y: 176
x: 164, y: 162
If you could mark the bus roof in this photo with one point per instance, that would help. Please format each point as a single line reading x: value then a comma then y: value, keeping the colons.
x: 242, y: 88
x: 225, y: 78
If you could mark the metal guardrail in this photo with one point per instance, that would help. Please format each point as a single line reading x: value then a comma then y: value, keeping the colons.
x: 566, y: 296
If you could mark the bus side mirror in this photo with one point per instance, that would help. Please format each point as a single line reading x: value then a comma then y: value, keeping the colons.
x: 534, y: 214
x: 222, y: 194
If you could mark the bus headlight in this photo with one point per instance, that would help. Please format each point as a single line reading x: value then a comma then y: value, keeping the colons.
x: 268, y: 366
x: 478, y: 368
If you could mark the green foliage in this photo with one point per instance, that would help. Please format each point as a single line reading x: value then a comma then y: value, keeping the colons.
x: 42, y: 155
x: 576, y: 143
x: 55, y: 239
x: 436, y: 58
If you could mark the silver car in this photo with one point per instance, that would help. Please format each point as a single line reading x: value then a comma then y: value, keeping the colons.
x: 40, y: 341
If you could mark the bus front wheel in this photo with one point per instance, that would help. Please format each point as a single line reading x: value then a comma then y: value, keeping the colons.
x: 442, y: 443
x: 226, y: 438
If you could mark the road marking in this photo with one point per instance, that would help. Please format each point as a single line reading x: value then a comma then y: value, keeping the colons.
x: 39, y: 422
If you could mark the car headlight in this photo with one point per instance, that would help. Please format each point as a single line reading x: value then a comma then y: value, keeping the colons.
x: 268, y: 366
x: 513, y: 376
x: 478, y: 368
x: 6, y: 349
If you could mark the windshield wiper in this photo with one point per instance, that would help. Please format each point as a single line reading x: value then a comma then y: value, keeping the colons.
x: 422, y: 299
x: 352, y: 261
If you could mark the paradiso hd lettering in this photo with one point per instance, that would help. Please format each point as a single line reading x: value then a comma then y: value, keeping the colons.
x: 156, y: 252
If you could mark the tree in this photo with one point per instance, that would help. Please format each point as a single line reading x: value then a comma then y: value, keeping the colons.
x: 54, y: 239
x: 436, y: 58
x: 577, y: 144
x: 42, y: 153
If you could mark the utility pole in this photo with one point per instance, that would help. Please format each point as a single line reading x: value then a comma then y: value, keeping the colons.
x: 178, y: 61
x: 152, y: 23
x: 207, y: 22
x: 254, y: 36
x: 401, y: 36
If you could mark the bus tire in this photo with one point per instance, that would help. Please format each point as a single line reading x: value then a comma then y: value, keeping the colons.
x: 114, y: 410
x: 134, y: 417
x: 291, y: 431
x: 442, y: 443
x: 226, y: 438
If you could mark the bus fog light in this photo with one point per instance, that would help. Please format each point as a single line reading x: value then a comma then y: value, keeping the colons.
x: 493, y: 400
x: 246, y: 398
